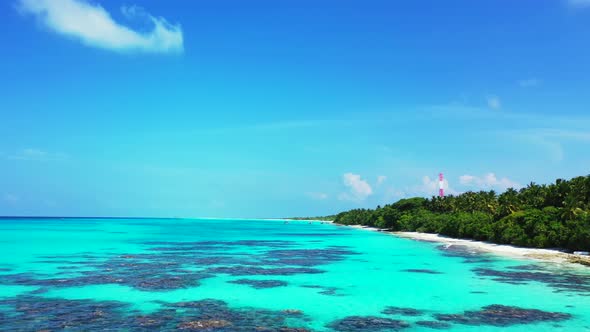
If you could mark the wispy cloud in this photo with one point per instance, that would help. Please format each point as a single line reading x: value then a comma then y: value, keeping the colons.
x: 565, y: 134
x: 528, y: 119
x: 93, y: 25
x: 381, y: 179
x: 551, y: 140
x: 579, y: 3
x: 494, y: 102
x: 553, y: 148
x: 529, y: 83
x: 392, y: 194
x: 317, y: 196
x: 358, y: 189
x: 36, y: 155
x: 10, y: 198
x: 487, y: 182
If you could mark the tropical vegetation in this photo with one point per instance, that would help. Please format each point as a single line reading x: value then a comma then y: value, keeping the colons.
x: 541, y: 216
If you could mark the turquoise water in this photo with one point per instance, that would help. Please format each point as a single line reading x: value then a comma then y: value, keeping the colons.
x: 265, y: 275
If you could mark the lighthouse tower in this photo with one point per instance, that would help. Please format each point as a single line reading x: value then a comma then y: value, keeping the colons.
x: 441, y: 190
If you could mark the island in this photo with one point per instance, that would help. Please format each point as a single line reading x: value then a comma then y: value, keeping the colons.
x: 556, y: 215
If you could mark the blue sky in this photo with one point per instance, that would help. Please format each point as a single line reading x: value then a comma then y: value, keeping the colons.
x: 284, y: 108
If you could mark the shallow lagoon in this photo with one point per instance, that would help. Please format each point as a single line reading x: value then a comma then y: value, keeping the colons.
x: 246, y: 275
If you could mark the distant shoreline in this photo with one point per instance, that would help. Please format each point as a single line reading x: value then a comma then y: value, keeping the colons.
x: 546, y: 255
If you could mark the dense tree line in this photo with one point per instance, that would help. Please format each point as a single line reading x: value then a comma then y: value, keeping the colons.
x: 542, y: 216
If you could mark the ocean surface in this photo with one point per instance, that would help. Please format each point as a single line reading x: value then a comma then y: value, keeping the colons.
x: 268, y: 275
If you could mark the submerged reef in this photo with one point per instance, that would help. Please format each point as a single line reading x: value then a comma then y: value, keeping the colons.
x: 468, y: 254
x: 501, y: 315
x: 402, y: 311
x: 368, y: 323
x: 492, y: 315
x: 331, y: 291
x: 434, y: 324
x: 426, y: 271
x: 253, y: 271
x: 306, y: 257
x: 560, y: 281
x: 259, y: 284
x: 31, y: 313
x: 176, y: 265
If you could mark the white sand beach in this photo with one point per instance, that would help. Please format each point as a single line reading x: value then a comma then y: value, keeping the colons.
x: 546, y: 255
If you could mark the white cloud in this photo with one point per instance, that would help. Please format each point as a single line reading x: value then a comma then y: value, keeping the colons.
x: 36, y: 155
x: 529, y: 83
x: 381, y: 179
x: 488, y: 181
x: 393, y: 194
x: 317, y: 195
x: 93, y: 25
x: 358, y: 189
x: 494, y: 102
x: 430, y: 187
x: 466, y: 179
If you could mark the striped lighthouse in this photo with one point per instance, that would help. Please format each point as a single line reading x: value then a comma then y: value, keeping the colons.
x: 441, y: 189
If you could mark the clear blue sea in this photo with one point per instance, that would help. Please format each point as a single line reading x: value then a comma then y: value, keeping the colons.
x: 268, y: 275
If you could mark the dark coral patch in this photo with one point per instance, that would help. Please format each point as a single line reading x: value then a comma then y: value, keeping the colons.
x: 500, y: 315
x: 176, y: 265
x: 35, y: 314
x: 468, y: 254
x: 293, y: 312
x: 331, y: 291
x: 40, y: 290
x: 59, y: 314
x: 560, y: 281
x: 259, y: 284
x: 368, y: 323
x: 526, y: 267
x: 68, y: 267
x: 434, y: 325
x: 402, y: 311
x: 281, y: 329
x: 307, y: 257
x: 159, y: 320
x: 426, y: 271
x: 220, y: 260
x: 253, y: 270
x: 202, y: 305
x: 245, y: 319
x: 149, y: 279
x: 205, y: 324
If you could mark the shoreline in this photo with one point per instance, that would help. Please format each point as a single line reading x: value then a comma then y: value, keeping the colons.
x: 545, y: 255
x: 309, y: 221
